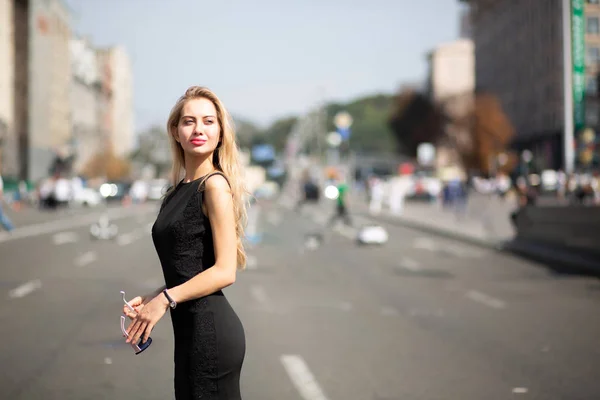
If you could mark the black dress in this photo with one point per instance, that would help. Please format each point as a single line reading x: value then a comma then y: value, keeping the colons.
x: 209, y: 338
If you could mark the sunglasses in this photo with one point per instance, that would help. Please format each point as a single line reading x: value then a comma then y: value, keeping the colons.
x: 139, y: 346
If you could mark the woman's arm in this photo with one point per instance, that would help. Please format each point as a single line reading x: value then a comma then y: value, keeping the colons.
x: 219, y: 208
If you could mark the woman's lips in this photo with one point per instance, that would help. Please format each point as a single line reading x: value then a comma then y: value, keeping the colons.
x: 198, y: 142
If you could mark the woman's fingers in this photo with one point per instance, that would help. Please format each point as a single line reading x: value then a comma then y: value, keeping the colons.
x: 136, y: 301
x: 135, y: 337
x: 147, y: 333
x: 132, y: 330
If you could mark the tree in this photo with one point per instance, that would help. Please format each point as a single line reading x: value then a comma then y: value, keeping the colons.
x: 369, y: 131
x: 414, y: 120
x: 276, y: 134
x: 246, y: 132
x: 154, y: 149
x: 107, y: 164
x: 489, y: 134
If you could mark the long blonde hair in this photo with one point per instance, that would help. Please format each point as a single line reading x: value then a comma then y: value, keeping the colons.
x: 225, y: 157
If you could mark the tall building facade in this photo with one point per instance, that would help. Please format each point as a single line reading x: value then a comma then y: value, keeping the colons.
x: 118, y: 115
x: 451, y: 86
x: 519, y: 58
x: 86, y: 100
x: 14, y: 87
x: 49, y: 129
x: 592, y: 62
x: 8, y: 143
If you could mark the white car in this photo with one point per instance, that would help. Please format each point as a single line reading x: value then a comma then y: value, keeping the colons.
x: 87, y: 197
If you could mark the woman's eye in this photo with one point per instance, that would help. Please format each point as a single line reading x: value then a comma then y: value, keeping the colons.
x: 209, y: 121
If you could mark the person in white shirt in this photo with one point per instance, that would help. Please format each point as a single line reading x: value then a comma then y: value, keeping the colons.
x: 4, y: 220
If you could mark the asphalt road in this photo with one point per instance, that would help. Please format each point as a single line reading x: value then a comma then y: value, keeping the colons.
x: 420, y: 318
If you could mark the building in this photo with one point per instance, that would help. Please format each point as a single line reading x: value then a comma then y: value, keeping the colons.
x: 451, y: 85
x: 592, y: 61
x: 519, y: 58
x: 117, y: 82
x: 49, y: 123
x: 466, y: 27
x: 86, y: 103
x: 451, y: 70
x: 8, y: 143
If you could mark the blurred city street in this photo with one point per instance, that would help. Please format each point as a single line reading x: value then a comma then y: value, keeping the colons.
x: 421, y: 317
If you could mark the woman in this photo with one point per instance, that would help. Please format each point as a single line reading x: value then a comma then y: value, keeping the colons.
x: 197, y: 236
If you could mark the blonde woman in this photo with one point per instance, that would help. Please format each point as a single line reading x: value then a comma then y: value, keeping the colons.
x: 197, y: 236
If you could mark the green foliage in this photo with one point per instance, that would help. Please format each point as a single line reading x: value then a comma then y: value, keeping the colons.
x: 153, y: 149
x: 277, y: 133
x: 370, y: 132
x: 247, y: 133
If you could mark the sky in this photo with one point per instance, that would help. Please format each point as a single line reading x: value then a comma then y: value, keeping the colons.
x: 267, y: 59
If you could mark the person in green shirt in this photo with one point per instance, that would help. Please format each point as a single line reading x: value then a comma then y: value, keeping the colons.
x: 341, y: 209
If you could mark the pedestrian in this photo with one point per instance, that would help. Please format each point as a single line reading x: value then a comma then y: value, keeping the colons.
x: 341, y: 204
x: 4, y: 220
x: 377, y: 193
x: 198, y: 238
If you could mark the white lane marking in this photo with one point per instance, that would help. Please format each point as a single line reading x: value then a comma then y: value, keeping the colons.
x: 125, y: 239
x: 409, y: 264
x: 424, y: 243
x: 85, y: 259
x: 418, y: 312
x: 108, y: 361
x: 302, y: 378
x: 520, y: 390
x: 486, y: 299
x: 63, y: 224
x: 25, y: 289
x: 64, y: 238
x: 251, y: 262
x: 389, y: 311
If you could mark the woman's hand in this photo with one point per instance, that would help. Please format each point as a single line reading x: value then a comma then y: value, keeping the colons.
x: 147, y: 317
x: 137, y: 303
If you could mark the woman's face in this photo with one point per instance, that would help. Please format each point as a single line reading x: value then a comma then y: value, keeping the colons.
x: 198, y: 130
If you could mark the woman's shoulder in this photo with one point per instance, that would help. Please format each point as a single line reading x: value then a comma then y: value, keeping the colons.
x: 217, y: 181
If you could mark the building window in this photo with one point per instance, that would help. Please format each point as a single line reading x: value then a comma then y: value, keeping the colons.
x: 592, y: 26
x: 593, y: 1
x: 593, y: 55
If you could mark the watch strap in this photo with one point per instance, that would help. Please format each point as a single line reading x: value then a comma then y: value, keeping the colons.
x: 172, y: 303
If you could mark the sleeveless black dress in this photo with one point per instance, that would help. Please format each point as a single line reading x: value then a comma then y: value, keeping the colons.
x: 209, y: 337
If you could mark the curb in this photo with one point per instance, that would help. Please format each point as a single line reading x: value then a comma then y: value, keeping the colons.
x: 399, y: 221
x: 531, y: 250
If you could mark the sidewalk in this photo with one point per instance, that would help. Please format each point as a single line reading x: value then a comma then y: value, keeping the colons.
x: 486, y: 220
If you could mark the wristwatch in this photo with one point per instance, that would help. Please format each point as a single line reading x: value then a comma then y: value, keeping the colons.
x: 172, y: 303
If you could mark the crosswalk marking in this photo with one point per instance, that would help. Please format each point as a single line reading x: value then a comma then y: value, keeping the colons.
x: 25, y: 289
x: 85, y: 259
x: 64, y: 238
x: 302, y: 378
x: 485, y: 299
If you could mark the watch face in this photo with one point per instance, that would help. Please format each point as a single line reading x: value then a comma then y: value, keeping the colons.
x: 173, y: 304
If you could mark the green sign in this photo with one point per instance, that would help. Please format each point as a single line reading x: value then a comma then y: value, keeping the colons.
x: 578, y: 56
